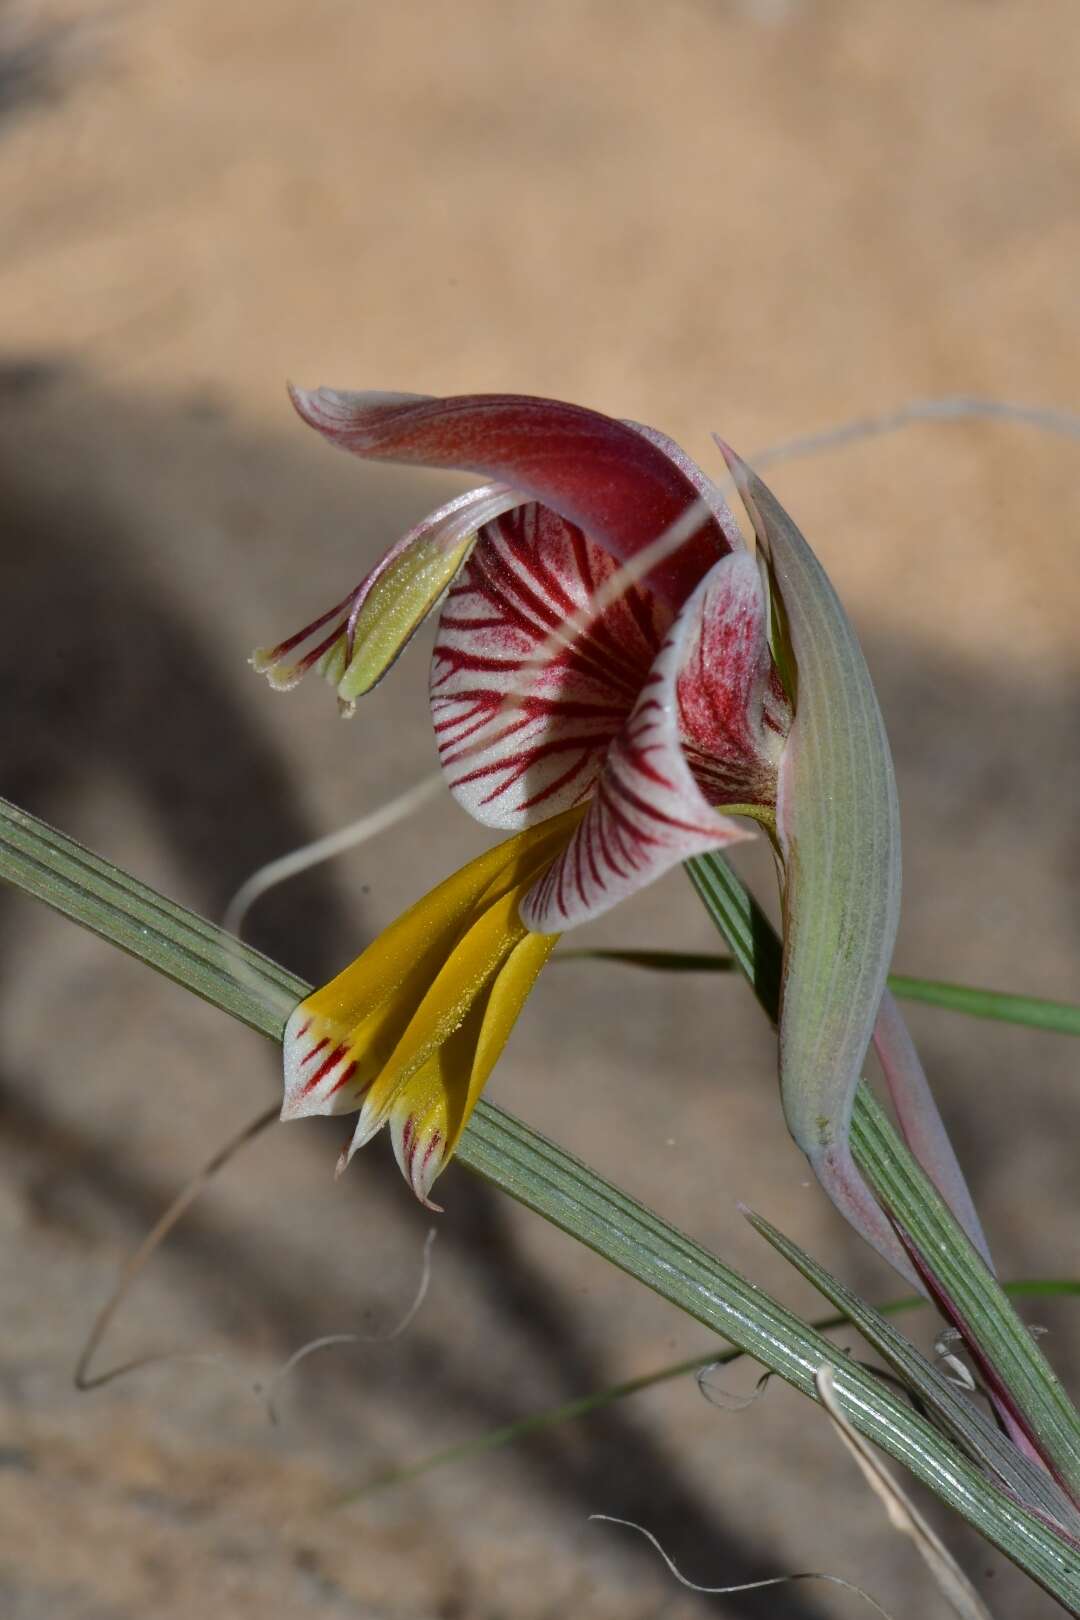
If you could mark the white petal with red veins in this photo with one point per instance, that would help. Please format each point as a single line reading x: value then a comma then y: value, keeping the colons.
x: 647, y: 812
x: 529, y: 682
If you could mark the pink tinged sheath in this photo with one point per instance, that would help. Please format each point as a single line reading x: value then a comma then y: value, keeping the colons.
x: 921, y: 1123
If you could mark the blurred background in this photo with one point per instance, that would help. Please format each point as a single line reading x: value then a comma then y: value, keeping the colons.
x: 764, y: 218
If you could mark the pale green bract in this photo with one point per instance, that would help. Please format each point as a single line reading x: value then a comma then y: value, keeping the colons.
x: 838, y: 827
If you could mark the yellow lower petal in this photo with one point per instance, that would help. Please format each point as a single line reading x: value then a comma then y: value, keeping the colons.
x: 346, y: 1034
x: 463, y: 984
x: 507, y: 996
x: 431, y: 1109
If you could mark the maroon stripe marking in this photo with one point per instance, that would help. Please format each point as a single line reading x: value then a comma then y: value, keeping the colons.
x: 344, y: 1078
x: 320, y: 1074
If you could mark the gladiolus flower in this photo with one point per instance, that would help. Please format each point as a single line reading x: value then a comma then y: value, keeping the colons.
x: 615, y: 674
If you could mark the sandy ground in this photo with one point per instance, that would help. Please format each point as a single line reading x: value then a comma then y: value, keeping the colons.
x: 760, y: 218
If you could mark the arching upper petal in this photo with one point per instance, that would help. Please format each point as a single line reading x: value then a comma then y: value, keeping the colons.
x: 533, y: 672
x: 616, y: 482
x: 647, y: 811
x: 707, y: 491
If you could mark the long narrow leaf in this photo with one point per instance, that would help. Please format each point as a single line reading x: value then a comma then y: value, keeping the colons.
x: 1004, y: 1006
x: 1009, y: 1358
x: 952, y: 1583
x: 582, y: 1406
x: 572, y: 1197
x: 970, y: 1427
x: 549, y: 1181
x: 1060, y: 1017
x: 995, y: 1333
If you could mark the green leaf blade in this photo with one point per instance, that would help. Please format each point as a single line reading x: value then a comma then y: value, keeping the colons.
x: 1003, y: 1006
x: 905, y: 1192
x: 1058, y: 1017
x: 968, y: 1426
x: 194, y: 953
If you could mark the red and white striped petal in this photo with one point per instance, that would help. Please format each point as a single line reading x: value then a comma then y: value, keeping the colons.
x: 530, y: 679
x: 648, y: 811
x: 734, y: 715
x: 621, y: 484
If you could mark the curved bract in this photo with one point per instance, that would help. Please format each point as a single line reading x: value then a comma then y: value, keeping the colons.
x: 838, y: 826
